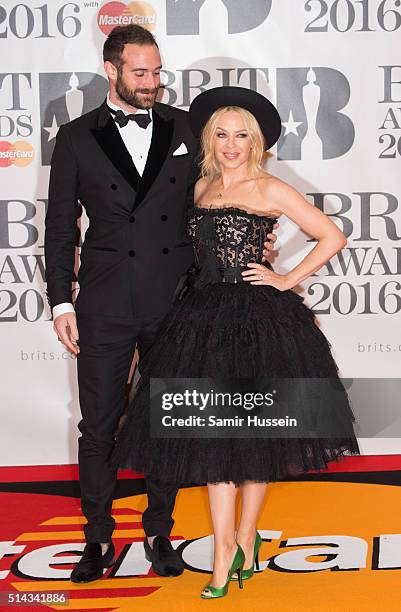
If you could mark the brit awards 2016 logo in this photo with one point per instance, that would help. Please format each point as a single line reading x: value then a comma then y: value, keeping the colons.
x: 353, y: 15
x: 310, y: 102
x: 22, y: 266
x: 15, y: 120
x: 372, y: 263
x: 50, y: 20
x: 22, y: 272
x: 389, y: 135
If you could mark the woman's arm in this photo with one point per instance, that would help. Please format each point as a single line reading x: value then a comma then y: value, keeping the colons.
x: 313, y: 222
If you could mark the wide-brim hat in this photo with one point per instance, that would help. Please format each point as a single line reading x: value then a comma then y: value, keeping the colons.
x: 265, y: 113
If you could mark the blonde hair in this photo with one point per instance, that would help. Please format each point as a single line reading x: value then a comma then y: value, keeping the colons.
x: 209, y: 165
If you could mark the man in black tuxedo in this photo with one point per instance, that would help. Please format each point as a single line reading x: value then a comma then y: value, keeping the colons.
x: 130, y: 163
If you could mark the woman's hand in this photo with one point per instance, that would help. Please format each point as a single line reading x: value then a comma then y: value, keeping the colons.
x: 260, y: 275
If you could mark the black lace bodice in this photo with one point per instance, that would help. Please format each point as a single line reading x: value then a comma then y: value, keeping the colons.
x: 230, y: 236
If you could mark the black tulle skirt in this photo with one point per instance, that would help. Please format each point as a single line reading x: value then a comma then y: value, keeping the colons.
x: 233, y: 331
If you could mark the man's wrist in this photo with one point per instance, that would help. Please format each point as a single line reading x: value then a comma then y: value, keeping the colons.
x: 63, y: 308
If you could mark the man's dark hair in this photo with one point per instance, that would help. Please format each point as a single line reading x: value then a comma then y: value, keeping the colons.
x: 123, y: 35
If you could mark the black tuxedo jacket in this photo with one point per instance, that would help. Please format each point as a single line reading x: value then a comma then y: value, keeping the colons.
x: 136, y: 247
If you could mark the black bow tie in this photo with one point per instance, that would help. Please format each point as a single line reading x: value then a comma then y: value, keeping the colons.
x: 122, y: 119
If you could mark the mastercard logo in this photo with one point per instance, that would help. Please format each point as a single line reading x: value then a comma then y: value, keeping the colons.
x: 20, y: 153
x: 115, y: 14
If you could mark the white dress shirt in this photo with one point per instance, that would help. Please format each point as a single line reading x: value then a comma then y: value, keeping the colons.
x: 137, y: 141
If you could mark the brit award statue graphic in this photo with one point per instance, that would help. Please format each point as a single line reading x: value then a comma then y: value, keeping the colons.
x: 74, y: 104
x: 74, y: 98
x: 312, y: 145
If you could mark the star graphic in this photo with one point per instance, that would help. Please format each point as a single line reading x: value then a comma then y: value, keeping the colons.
x: 291, y: 126
x: 53, y: 129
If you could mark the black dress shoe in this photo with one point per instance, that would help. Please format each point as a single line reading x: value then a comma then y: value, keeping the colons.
x: 92, y: 563
x: 165, y: 560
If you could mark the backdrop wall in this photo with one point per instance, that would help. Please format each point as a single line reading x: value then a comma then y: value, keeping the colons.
x: 332, y: 68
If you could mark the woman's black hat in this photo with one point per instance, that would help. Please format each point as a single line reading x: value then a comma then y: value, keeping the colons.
x: 265, y: 113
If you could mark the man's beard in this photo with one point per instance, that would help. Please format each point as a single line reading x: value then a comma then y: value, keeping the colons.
x: 130, y: 96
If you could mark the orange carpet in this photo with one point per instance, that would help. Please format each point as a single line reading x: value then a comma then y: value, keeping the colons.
x: 332, y: 542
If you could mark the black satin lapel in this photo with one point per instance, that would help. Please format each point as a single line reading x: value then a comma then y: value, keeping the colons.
x: 161, y: 139
x: 112, y: 144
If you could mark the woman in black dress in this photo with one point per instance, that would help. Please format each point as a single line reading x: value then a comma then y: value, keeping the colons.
x: 239, y: 320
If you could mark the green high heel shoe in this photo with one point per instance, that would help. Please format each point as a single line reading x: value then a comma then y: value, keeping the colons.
x: 248, y: 573
x: 236, y: 568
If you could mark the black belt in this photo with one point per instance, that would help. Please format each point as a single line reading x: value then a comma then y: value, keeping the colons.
x: 234, y: 274
x: 229, y: 275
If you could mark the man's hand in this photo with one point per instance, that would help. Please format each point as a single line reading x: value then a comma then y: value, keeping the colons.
x: 65, y: 326
x: 269, y: 244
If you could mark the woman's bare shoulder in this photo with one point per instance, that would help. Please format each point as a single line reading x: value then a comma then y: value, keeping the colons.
x: 270, y: 185
x: 200, y: 187
x: 271, y: 190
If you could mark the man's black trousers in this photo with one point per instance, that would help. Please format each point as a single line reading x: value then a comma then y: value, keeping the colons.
x: 107, y: 345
